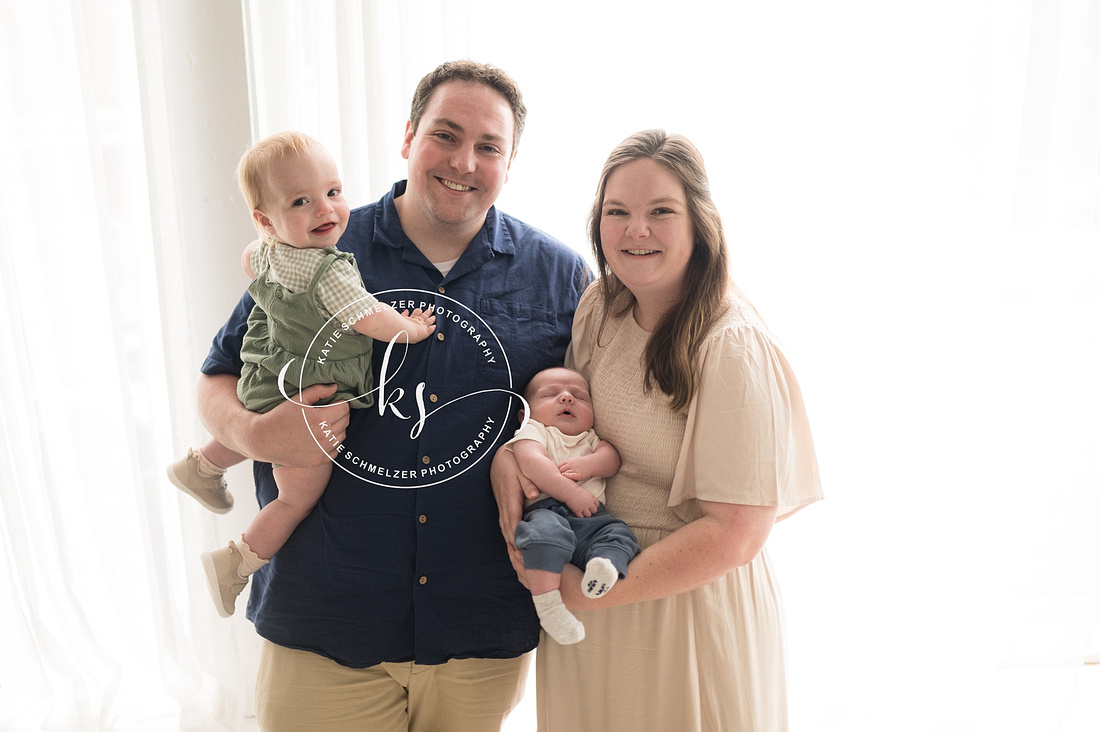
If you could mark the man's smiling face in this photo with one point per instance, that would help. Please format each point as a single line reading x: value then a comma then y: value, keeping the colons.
x: 459, y: 156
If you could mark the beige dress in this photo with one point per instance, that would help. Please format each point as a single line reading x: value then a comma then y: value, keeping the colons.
x: 710, y: 659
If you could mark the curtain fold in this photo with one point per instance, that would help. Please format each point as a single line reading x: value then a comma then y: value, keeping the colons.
x: 109, y: 620
x: 83, y: 380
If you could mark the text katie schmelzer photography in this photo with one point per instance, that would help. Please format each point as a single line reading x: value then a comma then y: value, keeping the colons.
x: 414, y: 411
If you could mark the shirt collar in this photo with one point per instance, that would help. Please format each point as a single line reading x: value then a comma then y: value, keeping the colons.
x: 493, y: 235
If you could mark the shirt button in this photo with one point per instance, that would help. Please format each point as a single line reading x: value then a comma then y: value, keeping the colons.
x: 422, y: 519
x: 441, y: 289
x: 423, y: 580
x: 425, y: 459
x: 433, y: 398
x: 439, y: 336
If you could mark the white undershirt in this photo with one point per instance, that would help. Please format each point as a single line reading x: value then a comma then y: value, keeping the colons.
x: 445, y: 267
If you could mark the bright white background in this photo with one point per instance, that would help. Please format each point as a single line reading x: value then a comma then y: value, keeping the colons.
x: 910, y: 192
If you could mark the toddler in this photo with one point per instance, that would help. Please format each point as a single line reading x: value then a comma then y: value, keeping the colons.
x: 303, y: 286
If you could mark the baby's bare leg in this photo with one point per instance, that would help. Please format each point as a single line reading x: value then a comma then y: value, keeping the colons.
x: 299, y: 491
x: 542, y: 581
x: 221, y: 455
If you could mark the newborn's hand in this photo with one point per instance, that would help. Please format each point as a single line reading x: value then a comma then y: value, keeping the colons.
x: 583, y: 503
x: 574, y: 470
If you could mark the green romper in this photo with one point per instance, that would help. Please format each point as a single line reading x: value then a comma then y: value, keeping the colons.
x: 282, y: 326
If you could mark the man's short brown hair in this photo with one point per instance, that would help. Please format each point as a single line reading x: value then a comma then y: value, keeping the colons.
x: 466, y: 70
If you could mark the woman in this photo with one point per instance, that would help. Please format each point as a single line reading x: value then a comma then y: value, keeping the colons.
x: 691, y: 388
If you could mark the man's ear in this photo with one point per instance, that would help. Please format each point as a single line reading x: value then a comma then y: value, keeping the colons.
x: 406, y: 144
x: 508, y: 168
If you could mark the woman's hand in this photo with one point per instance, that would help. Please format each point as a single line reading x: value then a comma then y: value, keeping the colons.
x: 517, y: 564
x: 511, y: 487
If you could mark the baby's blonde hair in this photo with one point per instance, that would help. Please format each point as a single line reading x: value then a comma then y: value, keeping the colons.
x: 255, y: 165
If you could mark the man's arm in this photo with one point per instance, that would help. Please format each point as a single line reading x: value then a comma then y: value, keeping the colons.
x: 279, y: 436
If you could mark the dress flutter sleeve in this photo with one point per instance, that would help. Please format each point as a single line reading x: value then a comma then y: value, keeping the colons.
x: 586, y: 324
x: 747, y: 438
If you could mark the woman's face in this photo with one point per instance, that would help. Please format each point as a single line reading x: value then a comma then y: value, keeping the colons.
x: 645, y: 229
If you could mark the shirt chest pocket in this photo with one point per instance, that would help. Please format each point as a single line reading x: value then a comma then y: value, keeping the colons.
x: 525, y: 335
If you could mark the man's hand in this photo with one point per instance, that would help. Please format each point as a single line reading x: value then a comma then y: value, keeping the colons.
x: 282, y: 435
x: 284, y: 432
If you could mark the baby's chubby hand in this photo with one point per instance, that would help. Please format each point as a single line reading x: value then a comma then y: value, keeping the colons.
x: 420, y: 324
x: 574, y: 470
x: 583, y: 503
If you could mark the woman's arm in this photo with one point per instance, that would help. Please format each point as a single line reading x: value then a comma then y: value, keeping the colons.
x: 726, y: 536
x: 511, y: 487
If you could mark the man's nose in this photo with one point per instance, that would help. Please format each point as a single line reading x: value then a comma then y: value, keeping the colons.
x: 462, y: 160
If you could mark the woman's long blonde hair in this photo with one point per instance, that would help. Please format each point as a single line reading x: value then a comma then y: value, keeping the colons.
x: 672, y: 352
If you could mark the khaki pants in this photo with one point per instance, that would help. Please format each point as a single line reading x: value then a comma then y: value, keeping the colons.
x: 298, y: 691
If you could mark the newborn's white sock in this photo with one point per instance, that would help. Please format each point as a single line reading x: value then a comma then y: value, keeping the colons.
x: 556, y: 619
x: 600, y: 576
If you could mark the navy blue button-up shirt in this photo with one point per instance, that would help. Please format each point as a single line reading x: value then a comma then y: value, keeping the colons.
x: 402, y: 559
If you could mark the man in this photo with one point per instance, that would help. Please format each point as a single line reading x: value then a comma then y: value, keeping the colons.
x: 394, y: 605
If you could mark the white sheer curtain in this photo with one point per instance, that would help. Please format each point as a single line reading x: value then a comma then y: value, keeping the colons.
x: 911, y: 194
x: 344, y: 72
x: 83, y: 392
x: 111, y: 289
